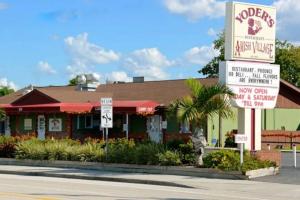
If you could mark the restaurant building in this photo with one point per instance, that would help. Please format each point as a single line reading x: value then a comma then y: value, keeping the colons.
x: 139, y: 112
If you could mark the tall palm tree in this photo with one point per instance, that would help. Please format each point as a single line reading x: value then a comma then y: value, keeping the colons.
x: 202, y: 103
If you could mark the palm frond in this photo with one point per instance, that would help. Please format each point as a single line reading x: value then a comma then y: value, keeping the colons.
x: 204, y: 101
x: 194, y: 85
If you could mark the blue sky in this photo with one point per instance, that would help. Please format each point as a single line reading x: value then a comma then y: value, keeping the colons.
x: 48, y: 42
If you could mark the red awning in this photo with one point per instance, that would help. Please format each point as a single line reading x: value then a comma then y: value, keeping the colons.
x: 51, y: 107
x: 76, y: 107
x: 139, y: 107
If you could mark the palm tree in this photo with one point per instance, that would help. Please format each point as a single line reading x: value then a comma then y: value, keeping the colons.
x: 202, y: 103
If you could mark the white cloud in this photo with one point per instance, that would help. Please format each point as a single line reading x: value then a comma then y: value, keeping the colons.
x: 45, y: 67
x: 150, y: 63
x: 119, y: 76
x: 3, y: 6
x: 288, y: 14
x: 85, y: 55
x: 196, y: 9
x: 97, y: 76
x: 212, y: 32
x: 88, y: 53
x: 200, y: 55
x: 4, y: 82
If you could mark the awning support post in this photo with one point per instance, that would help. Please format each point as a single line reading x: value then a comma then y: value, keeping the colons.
x: 127, y: 126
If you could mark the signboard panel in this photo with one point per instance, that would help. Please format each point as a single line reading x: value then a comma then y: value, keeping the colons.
x: 106, y: 113
x: 106, y: 101
x: 256, y: 85
x: 240, y: 138
x: 55, y: 125
x: 250, y: 32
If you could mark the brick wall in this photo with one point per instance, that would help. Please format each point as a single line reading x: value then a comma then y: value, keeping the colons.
x: 279, y: 138
x: 269, y: 155
x: 178, y: 136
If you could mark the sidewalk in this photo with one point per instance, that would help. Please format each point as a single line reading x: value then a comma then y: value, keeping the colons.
x: 154, y: 179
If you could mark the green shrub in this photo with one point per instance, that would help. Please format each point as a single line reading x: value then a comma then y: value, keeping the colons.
x: 169, y: 158
x: 31, y: 149
x: 223, y: 159
x: 56, y: 150
x: 88, y: 153
x: 229, y: 160
x: 146, y: 153
x: 174, y: 144
x: 120, y: 151
x: 252, y: 163
x: 187, y: 153
x: 7, y: 147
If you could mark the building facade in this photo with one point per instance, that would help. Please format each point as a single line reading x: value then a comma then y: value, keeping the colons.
x: 139, y: 112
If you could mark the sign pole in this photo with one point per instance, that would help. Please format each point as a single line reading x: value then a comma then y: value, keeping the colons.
x: 295, y: 155
x: 106, y: 141
x: 241, y: 139
x: 242, y: 153
x: 106, y: 118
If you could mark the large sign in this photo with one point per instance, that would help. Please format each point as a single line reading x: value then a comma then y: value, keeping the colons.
x: 106, y: 113
x: 250, y: 32
x: 255, y: 85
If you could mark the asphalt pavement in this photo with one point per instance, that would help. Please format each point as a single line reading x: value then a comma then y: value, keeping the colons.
x: 288, y: 174
x: 15, y: 187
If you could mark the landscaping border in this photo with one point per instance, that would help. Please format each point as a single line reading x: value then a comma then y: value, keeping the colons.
x: 150, y: 169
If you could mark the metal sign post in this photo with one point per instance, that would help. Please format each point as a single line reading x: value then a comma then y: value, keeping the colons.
x: 242, y: 153
x: 241, y: 139
x: 106, y: 118
x: 295, y: 155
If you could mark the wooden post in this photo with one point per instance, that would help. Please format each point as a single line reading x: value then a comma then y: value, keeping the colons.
x: 69, y: 125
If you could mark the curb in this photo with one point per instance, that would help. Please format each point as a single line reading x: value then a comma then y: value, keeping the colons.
x: 112, y: 179
x: 132, y: 168
x: 129, y: 168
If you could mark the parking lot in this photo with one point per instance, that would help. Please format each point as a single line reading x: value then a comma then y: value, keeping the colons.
x: 288, y: 174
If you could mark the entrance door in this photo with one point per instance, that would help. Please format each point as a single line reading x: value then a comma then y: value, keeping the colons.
x: 2, y: 127
x: 41, y: 127
x: 154, y: 128
x: 7, y: 126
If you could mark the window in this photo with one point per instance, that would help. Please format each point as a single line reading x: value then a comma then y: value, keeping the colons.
x: 27, y: 124
x: 185, y: 127
x: 88, y: 121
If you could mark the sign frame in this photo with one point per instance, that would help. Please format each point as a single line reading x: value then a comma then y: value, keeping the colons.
x: 240, y: 138
x: 256, y: 85
x: 250, y: 32
x: 106, y: 113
